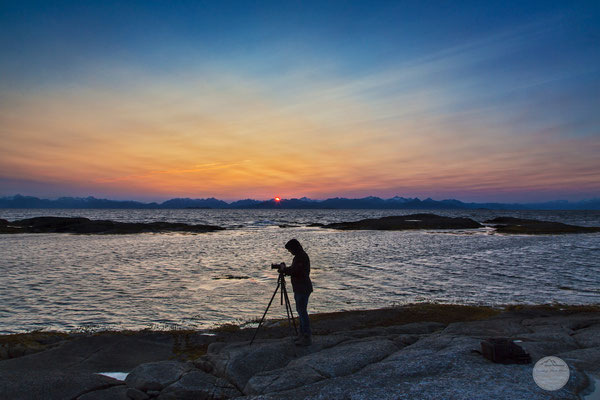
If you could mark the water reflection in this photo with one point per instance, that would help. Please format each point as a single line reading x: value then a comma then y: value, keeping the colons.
x: 134, y: 281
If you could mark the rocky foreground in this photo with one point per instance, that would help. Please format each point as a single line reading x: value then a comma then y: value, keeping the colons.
x: 87, y: 226
x: 410, y: 352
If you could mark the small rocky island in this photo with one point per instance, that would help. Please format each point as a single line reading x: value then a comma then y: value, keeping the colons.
x: 536, y: 227
x: 417, y: 352
x: 87, y: 226
x: 507, y: 225
x: 406, y: 222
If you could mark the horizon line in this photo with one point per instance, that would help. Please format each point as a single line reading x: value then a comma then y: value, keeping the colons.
x: 298, y: 198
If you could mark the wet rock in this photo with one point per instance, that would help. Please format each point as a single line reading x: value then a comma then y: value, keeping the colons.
x: 536, y: 227
x: 112, y: 393
x: 156, y: 375
x: 87, y: 226
x: 407, y: 222
x: 199, y: 385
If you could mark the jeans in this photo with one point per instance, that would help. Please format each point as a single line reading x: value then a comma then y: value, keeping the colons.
x: 301, y: 304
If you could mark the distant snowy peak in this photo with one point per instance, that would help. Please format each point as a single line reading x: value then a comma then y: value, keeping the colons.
x: 399, y: 199
x: 309, y: 200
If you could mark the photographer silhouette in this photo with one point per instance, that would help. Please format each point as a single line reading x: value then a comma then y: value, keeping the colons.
x: 302, y: 287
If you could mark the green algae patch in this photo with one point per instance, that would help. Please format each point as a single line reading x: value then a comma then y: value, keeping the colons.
x: 406, y: 314
x: 20, y: 344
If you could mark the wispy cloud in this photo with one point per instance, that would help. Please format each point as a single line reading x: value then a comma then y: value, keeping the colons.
x: 468, y: 119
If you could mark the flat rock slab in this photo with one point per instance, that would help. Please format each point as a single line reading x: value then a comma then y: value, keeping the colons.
x: 156, y: 375
x: 407, y: 222
x: 197, y: 384
x: 240, y: 361
x: 343, y: 359
x: 112, y: 393
x: 50, y: 385
x: 70, y: 368
x: 487, y: 328
x: 449, y: 371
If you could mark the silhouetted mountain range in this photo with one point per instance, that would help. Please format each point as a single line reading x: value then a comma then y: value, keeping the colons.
x: 19, y: 201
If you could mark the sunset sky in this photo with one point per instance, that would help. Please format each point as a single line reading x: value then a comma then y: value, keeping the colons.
x: 149, y: 100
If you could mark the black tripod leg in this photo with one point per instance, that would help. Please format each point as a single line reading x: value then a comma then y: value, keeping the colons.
x: 288, y: 306
x: 265, y: 314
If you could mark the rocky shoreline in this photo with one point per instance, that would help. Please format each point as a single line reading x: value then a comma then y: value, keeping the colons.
x: 81, y: 225
x: 505, y: 225
x: 422, y: 351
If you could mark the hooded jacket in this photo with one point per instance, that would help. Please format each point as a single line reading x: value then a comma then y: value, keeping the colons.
x: 300, y: 273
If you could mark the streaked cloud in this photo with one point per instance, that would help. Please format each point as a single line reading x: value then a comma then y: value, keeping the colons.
x: 477, y: 120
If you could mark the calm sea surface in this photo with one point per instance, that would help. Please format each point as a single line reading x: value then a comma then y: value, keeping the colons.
x: 67, y: 282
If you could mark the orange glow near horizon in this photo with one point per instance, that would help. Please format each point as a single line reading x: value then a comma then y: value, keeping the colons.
x: 197, y: 140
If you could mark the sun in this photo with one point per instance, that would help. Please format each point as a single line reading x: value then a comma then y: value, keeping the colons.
x: 277, y: 199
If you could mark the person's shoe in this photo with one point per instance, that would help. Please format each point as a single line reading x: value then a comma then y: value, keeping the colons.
x: 306, y: 340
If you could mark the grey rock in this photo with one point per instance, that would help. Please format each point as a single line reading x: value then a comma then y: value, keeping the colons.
x: 449, y: 371
x: 135, y: 394
x: 34, y: 383
x: 559, y: 334
x: 199, y: 385
x: 239, y: 362
x: 588, y: 337
x: 417, y: 328
x: 542, y: 349
x: 112, y: 393
x: 281, y: 379
x: 585, y: 359
x: 340, y: 360
x: 156, y: 375
x: 487, y: 328
x: 572, y: 322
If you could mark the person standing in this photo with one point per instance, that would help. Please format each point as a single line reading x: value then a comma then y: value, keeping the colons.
x: 302, y: 287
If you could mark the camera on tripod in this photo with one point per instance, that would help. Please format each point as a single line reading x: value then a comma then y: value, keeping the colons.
x: 277, y: 266
x: 284, y: 300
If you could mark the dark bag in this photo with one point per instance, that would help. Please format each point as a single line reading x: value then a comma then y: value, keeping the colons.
x: 504, y: 351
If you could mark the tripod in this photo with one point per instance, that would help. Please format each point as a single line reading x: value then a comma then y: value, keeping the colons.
x: 288, y: 306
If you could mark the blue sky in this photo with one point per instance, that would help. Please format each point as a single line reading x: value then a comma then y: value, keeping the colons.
x: 154, y: 99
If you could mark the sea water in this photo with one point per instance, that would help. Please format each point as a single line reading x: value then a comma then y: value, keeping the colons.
x: 70, y: 282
